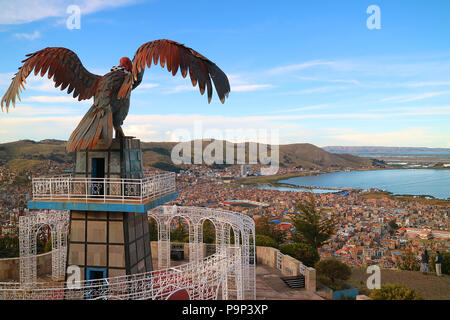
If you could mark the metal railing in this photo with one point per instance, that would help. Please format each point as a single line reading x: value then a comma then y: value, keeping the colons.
x: 200, y: 279
x: 279, y: 260
x: 80, y: 188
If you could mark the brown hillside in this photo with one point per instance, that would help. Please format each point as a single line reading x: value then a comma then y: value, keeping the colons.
x: 159, y: 154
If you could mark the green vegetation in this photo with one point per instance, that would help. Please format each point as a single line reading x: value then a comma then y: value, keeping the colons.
x: 392, y: 226
x: 265, y: 241
x: 333, y: 273
x: 179, y: 234
x: 21, y: 180
x: 302, y: 252
x: 38, y: 151
x: 48, y: 245
x: 380, y: 195
x: 409, y: 262
x: 430, y: 287
x: 22, y: 165
x: 310, y: 227
x: 9, y: 247
x: 43, y: 244
x: 153, y: 229
x: 395, y: 291
x: 445, y: 265
x: 263, y: 227
x: 209, y: 232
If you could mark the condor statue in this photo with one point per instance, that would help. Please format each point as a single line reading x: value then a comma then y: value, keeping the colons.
x: 111, y: 92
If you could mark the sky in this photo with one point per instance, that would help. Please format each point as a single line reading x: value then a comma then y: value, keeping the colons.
x: 303, y: 71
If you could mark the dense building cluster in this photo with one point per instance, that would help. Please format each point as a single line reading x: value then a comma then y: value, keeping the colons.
x: 15, y: 186
x: 363, y: 235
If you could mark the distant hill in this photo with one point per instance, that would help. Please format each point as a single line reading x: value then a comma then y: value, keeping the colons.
x: 32, y: 150
x: 386, y: 150
x: 310, y: 156
x: 158, y: 154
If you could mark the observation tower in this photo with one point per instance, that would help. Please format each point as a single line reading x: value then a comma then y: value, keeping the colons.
x: 98, y: 218
x: 107, y: 197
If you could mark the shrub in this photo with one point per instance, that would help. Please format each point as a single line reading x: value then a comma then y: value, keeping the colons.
x: 395, y: 291
x: 265, y: 241
x: 333, y: 270
x: 302, y: 252
x: 409, y: 262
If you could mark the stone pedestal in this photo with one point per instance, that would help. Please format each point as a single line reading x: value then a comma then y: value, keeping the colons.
x: 123, y: 159
x: 310, y: 279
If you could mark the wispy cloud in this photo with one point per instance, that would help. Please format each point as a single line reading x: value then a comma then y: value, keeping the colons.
x: 409, y: 137
x: 54, y: 99
x: 410, y: 98
x: 324, y: 89
x: 25, y: 11
x: 306, y: 108
x: 350, y: 81
x: 251, y: 87
x: 300, y: 66
x: 180, y: 88
x: 242, y: 83
x: 28, y: 36
x: 316, y: 90
x: 419, y: 84
x: 27, y: 110
x: 145, y: 86
x: 157, y: 127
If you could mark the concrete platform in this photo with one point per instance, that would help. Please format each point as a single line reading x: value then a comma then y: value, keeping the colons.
x: 269, y: 286
x: 100, y: 204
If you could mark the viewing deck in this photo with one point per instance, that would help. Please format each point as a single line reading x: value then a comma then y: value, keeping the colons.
x: 102, y: 194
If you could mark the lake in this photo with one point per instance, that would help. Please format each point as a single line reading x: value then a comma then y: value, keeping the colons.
x: 431, y: 182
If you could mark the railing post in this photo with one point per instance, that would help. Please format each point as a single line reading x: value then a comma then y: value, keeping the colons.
x: 104, y: 190
x: 123, y: 189
x: 51, y: 193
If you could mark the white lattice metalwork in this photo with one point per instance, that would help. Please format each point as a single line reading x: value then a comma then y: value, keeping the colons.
x: 201, y: 280
x: 279, y: 260
x: 29, y: 226
x: 69, y: 188
x: 229, y: 273
x: 243, y: 227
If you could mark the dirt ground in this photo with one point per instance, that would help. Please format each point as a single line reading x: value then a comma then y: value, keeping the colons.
x: 429, y: 286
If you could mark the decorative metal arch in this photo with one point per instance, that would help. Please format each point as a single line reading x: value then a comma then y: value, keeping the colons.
x: 29, y: 225
x: 230, y: 269
x: 243, y: 226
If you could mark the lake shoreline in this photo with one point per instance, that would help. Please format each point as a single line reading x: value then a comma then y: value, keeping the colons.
x: 277, y: 182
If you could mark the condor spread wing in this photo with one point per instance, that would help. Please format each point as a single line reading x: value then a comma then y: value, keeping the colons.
x: 63, y: 65
x: 176, y: 56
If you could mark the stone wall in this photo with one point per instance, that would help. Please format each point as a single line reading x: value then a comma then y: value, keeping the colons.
x: 10, y: 267
x: 289, y: 265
